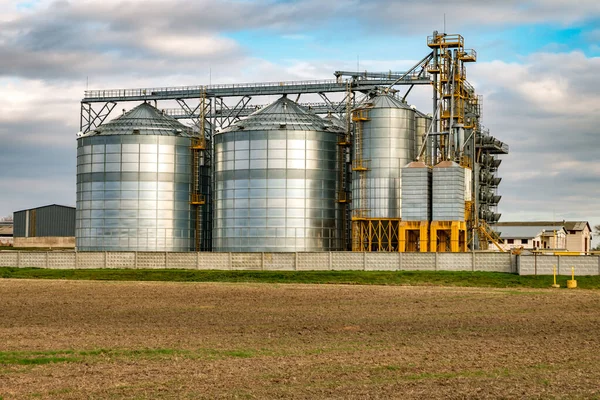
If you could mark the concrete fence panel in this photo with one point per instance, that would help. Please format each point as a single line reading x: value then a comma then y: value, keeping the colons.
x: 33, y: 260
x: 219, y: 261
x: 91, y: 260
x: 347, y: 261
x: 62, y: 260
x: 493, y: 262
x: 120, y: 259
x: 247, y: 261
x: 537, y: 264
x: 9, y: 259
x: 584, y: 265
x: 182, y: 260
x: 382, y: 261
x: 279, y: 261
x: 313, y: 262
x: 150, y: 260
x: 455, y: 262
x: 418, y: 262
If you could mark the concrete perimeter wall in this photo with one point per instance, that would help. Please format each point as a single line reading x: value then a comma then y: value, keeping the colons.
x: 322, y: 261
x: 544, y: 265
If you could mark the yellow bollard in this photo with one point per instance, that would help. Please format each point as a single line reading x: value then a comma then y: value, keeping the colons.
x: 555, y: 285
x: 572, y: 284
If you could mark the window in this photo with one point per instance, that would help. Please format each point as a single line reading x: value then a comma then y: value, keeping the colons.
x: 524, y: 241
x: 510, y: 241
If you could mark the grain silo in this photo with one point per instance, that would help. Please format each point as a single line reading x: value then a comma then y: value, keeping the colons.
x: 416, y: 207
x: 135, y: 185
x: 450, y: 207
x: 422, y: 127
x: 275, y: 182
x: 384, y: 142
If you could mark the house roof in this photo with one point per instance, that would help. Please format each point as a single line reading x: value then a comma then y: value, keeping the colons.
x: 526, y: 232
x: 569, y: 225
x: 577, y: 225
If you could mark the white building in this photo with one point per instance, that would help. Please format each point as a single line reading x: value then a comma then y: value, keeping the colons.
x: 572, y: 236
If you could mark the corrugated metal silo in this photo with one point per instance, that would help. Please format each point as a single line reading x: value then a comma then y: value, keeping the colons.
x: 448, y: 196
x: 276, y: 181
x: 384, y: 142
x: 134, y: 180
x: 416, y: 192
x: 422, y: 124
x: 451, y: 194
x: 388, y: 144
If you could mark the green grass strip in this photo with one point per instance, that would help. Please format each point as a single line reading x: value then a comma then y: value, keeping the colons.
x: 411, y: 278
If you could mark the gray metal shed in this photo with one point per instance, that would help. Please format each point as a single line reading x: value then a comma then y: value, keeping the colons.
x: 45, y: 221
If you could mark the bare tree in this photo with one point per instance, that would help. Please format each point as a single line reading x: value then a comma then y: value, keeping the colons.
x: 9, y: 218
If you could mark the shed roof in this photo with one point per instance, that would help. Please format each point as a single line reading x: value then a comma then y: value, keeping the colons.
x: 49, y: 205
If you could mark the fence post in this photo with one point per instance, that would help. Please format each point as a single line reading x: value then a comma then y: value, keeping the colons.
x: 436, y: 260
x: 76, y: 266
x: 47, y: 257
x: 135, y: 260
x: 400, y: 261
x: 197, y: 260
x: 230, y: 261
x: 558, y: 265
x: 535, y: 263
x: 262, y: 261
x: 105, y: 261
x: 330, y: 260
x: 365, y: 261
x: 296, y: 261
x: 598, y: 257
x: 19, y: 259
x: 166, y: 260
x: 473, y: 261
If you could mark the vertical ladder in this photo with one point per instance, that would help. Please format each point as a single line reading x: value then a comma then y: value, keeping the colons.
x: 198, y: 147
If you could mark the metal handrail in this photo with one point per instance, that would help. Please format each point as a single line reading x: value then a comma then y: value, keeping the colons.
x: 151, y: 91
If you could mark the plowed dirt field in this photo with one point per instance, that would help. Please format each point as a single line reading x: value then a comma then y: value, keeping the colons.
x: 82, y: 339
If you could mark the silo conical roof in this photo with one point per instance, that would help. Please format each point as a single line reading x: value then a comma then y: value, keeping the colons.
x: 387, y: 101
x: 283, y: 114
x: 144, y: 119
x: 335, y: 121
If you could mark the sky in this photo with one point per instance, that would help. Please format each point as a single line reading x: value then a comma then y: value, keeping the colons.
x: 537, y: 70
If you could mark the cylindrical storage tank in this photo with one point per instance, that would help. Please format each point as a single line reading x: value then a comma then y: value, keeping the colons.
x: 416, y: 192
x: 387, y: 133
x: 422, y: 124
x: 276, y: 178
x: 134, y: 178
x: 450, y: 188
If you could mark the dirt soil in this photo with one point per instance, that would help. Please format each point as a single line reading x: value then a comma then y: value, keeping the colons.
x: 81, y: 339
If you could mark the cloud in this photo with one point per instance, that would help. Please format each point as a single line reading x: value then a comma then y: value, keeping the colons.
x: 545, y: 105
x: 546, y: 109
